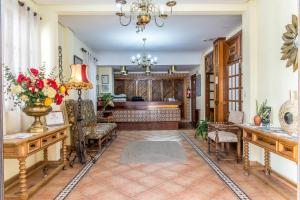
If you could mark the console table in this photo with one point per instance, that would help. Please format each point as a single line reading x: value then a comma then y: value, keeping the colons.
x: 271, y: 140
x: 23, y: 186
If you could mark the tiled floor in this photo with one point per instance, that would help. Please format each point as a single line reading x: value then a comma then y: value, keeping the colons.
x: 193, y: 179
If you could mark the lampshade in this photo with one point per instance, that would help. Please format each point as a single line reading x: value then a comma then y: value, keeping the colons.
x: 170, y: 71
x: 148, y: 70
x: 123, y: 69
x: 173, y: 69
x: 79, y: 78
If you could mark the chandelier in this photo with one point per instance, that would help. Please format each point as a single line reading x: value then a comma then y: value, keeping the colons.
x: 144, y: 10
x: 145, y: 61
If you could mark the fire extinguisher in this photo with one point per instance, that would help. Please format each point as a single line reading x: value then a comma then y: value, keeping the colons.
x: 188, y: 92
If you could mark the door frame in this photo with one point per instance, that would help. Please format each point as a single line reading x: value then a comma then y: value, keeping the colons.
x: 193, y: 99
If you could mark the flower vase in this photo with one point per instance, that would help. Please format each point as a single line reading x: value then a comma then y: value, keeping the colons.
x: 257, y: 120
x: 37, y: 111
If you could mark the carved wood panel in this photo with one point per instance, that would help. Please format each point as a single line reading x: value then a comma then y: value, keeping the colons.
x: 130, y: 88
x: 178, y: 90
x: 119, y: 87
x: 157, y: 90
x: 142, y: 89
x: 167, y: 89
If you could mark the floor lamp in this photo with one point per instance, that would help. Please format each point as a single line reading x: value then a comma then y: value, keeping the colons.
x: 79, y: 81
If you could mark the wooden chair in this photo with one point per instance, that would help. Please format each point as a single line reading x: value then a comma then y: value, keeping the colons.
x: 226, y: 133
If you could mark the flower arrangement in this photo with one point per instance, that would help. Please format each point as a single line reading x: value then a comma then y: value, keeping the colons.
x: 34, y: 87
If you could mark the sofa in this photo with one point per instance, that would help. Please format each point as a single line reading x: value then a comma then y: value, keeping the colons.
x: 102, y: 133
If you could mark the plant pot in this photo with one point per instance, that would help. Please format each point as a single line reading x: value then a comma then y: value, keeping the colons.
x: 37, y: 111
x: 257, y: 120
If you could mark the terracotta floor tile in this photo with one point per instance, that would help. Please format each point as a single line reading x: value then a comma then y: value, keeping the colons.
x: 134, y: 174
x: 152, y: 195
x: 150, y: 180
x: 170, y: 187
x: 131, y: 188
x: 110, y: 195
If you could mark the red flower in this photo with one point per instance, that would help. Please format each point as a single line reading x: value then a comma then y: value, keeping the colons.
x: 34, y: 72
x: 52, y: 83
x: 32, y: 88
x: 40, y: 84
x: 21, y: 78
x: 58, y: 99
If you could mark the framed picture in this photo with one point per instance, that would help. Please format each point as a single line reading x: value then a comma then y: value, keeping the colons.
x: 77, y: 60
x: 105, y: 89
x: 104, y: 79
x: 55, y: 118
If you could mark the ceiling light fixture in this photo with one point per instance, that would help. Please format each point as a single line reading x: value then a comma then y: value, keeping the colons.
x: 144, y: 10
x: 145, y: 60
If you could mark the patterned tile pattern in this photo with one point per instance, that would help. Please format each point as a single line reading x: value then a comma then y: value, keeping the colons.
x: 166, y: 115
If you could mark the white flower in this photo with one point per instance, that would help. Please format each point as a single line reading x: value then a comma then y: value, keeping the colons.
x: 24, y: 98
x: 17, y: 89
x: 50, y: 92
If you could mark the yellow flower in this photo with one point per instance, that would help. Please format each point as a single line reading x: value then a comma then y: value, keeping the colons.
x: 24, y: 98
x: 62, y: 89
x: 16, y: 89
x: 48, y: 102
x: 50, y: 92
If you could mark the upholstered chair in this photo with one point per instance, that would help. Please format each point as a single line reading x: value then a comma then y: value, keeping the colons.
x: 226, y: 133
x: 101, y: 132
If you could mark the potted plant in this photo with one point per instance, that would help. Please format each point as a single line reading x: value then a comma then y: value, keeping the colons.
x: 263, y: 113
x: 35, y: 93
x: 202, y: 129
x: 107, y: 100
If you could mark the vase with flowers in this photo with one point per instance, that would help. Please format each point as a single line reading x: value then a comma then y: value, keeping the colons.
x: 35, y: 92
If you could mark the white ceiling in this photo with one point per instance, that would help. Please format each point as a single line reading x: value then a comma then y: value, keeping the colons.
x: 180, y: 33
x: 99, y: 2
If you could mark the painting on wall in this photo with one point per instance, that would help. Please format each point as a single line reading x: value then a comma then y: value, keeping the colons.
x: 105, y: 79
x: 198, y: 85
x: 77, y: 60
x: 105, y: 89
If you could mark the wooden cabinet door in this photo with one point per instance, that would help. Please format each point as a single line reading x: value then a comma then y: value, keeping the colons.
x: 119, y: 86
x: 130, y: 89
x: 168, y: 89
x: 157, y: 90
x: 142, y: 89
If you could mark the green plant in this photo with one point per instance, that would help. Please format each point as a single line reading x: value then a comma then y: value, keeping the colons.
x: 202, y: 128
x: 264, y: 112
x: 260, y: 108
x: 107, y: 100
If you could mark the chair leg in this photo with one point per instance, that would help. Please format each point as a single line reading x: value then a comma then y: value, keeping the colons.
x: 217, y: 151
x: 100, y: 145
x: 209, y: 141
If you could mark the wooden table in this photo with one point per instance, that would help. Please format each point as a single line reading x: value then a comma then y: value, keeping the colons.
x: 273, y: 140
x: 21, y: 149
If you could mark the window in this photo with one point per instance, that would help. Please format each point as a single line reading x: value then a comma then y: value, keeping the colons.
x: 234, y: 76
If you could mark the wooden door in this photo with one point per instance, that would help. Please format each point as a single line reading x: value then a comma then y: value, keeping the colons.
x: 179, y: 93
x: 157, y: 90
x: 193, y: 99
x: 209, y: 88
x: 130, y: 88
x: 142, y: 89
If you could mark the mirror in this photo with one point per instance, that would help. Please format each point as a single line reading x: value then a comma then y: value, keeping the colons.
x: 288, y: 118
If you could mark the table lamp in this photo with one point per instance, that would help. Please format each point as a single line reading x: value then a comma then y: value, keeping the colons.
x: 79, y: 81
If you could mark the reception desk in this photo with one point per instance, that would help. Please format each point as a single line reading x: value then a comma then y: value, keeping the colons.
x: 145, y: 115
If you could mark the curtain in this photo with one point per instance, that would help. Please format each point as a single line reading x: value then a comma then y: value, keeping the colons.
x: 92, y: 73
x: 21, y: 49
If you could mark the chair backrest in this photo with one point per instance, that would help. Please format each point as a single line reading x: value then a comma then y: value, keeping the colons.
x: 236, y: 117
x: 87, y: 112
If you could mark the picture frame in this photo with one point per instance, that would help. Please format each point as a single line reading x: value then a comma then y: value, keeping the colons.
x: 77, y: 60
x: 105, y: 79
x: 55, y: 118
x: 105, y: 89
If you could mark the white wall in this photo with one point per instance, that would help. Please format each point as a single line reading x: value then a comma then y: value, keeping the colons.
x: 102, y: 70
x: 164, y: 58
x: 273, y: 80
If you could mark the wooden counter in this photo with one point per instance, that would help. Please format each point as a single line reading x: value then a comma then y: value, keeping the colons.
x: 146, y: 115
x: 142, y: 105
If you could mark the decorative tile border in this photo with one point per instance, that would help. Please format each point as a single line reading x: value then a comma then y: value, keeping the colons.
x: 229, y: 183
x: 75, y: 180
